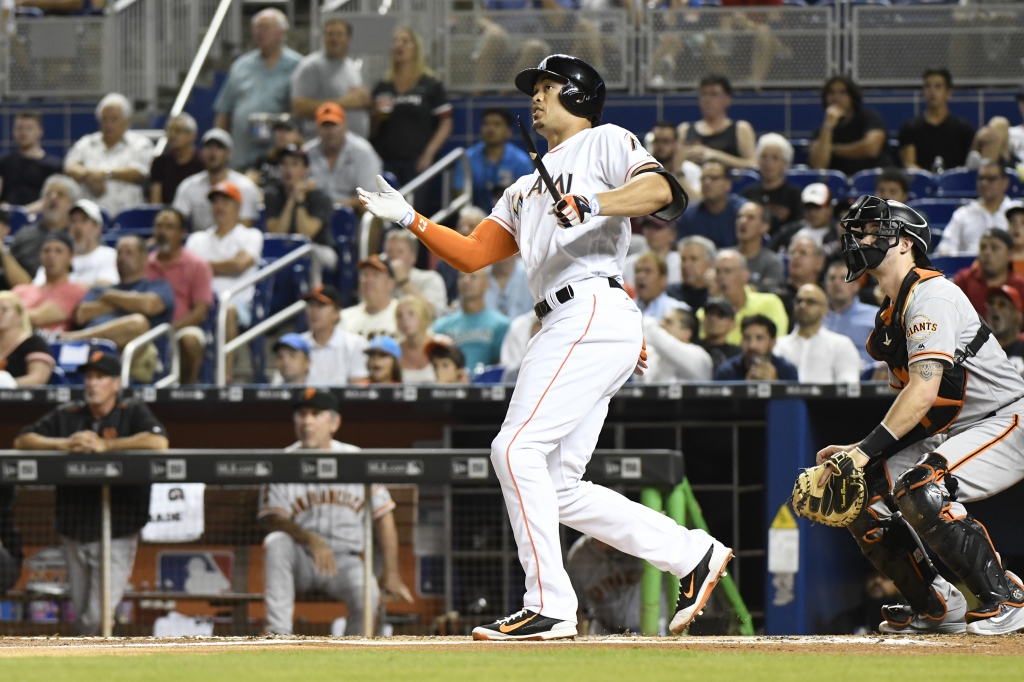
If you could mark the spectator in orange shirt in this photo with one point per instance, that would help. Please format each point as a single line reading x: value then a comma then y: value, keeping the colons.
x: 51, y: 306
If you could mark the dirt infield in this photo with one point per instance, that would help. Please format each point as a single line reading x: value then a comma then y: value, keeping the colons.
x: 1012, y: 645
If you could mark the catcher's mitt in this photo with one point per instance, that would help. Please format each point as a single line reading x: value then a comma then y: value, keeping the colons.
x: 839, y: 500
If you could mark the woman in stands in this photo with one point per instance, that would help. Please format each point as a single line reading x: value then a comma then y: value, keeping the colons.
x: 412, y: 116
x: 25, y: 358
x: 382, y: 356
x: 415, y: 316
x: 774, y: 155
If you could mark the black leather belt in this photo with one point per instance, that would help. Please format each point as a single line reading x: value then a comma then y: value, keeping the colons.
x: 564, y: 295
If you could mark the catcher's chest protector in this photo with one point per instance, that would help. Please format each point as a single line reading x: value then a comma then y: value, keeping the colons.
x: 888, y: 343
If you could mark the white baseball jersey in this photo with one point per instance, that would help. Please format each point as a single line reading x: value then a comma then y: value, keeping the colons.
x: 591, y: 161
x: 334, y: 511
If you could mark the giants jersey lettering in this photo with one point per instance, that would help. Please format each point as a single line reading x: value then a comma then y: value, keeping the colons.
x: 940, y: 320
x: 334, y: 511
x: 591, y: 161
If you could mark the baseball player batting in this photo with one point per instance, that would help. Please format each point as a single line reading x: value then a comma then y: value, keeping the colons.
x: 959, y: 408
x: 590, y: 337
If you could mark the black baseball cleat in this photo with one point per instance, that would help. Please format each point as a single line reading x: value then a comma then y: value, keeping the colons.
x: 696, y: 586
x: 525, y: 626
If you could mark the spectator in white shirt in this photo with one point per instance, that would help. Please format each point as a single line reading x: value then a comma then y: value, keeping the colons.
x: 671, y: 353
x: 820, y: 356
x: 335, y: 355
x: 415, y: 317
x: 94, y: 263
x: 293, y: 360
x: 962, y: 235
x: 191, y: 197
x: 651, y: 275
x: 660, y: 236
x: 513, y: 346
x: 401, y: 248
x: 232, y: 250
x: 112, y: 164
x: 376, y: 314
x: 330, y: 75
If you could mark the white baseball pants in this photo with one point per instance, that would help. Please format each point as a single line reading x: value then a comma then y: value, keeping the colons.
x: 586, y: 349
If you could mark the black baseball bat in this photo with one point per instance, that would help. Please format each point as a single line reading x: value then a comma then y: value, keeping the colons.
x: 537, y: 163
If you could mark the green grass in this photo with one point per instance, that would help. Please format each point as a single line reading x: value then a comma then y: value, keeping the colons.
x: 525, y: 664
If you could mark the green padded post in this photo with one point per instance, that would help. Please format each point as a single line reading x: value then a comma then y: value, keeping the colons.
x: 675, y: 507
x: 650, y: 581
x: 731, y: 592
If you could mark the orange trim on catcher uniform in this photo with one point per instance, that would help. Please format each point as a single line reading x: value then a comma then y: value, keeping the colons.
x: 1001, y: 437
x: 508, y: 449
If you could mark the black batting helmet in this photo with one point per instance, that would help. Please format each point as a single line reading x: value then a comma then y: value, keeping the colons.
x: 583, y: 92
x: 894, y: 220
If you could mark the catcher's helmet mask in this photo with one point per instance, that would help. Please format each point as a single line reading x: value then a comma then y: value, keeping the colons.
x: 583, y: 93
x: 894, y: 220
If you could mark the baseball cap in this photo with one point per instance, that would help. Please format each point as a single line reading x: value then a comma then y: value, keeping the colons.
x: 1000, y: 234
x: 108, y: 363
x: 63, y: 237
x: 817, y: 194
x: 1010, y: 293
x: 90, y: 209
x: 228, y: 189
x: 319, y: 398
x: 294, y: 341
x: 443, y: 347
x: 384, y: 344
x: 293, y: 150
x: 1016, y: 208
x: 719, y: 306
x: 324, y: 293
x: 330, y: 112
x: 286, y: 122
x: 377, y: 263
x: 219, y: 136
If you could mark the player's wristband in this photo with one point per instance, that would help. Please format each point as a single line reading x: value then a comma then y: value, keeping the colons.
x: 406, y: 220
x: 878, y: 441
x: 595, y: 205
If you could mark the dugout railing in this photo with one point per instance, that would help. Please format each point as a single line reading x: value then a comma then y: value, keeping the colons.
x: 657, y: 475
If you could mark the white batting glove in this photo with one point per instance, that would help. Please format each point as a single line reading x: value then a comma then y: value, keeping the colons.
x: 387, y: 204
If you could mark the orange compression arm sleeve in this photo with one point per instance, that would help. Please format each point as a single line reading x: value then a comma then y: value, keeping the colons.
x: 489, y: 243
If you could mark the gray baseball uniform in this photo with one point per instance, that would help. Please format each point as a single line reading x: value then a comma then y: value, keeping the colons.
x: 607, y: 584
x: 984, y: 446
x: 334, y: 511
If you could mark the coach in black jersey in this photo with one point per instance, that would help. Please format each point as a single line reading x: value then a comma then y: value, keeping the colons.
x: 99, y: 423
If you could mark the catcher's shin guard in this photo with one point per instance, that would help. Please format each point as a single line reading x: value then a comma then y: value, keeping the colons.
x: 892, y: 547
x: 923, y: 494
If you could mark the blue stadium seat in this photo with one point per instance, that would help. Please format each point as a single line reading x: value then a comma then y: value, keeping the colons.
x: 491, y: 375
x: 70, y: 355
x: 938, y: 210
x: 958, y: 182
x: 950, y: 265
x: 17, y: 218
x: 137, y: 219
x: 261, y: 219
x: 801, y: 150
x: 1016, y: 187
x: 743, y: 178
x: 344, y: 232
x: 922, y: 183
x: 836, y: 180
x: 391, y: 178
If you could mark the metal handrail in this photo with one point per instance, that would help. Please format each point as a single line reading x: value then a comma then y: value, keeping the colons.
x: 197, y: 65
x: 224, y: 301
x: 449, y: 159
x: 165, y: 329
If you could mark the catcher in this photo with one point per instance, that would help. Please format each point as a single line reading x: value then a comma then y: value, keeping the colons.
x: 952, y: 435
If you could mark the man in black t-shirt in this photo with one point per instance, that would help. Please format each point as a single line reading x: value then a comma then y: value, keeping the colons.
x: 295, y: 205
x: 935, y: 140
x: 99, y: 423
x: 719, y: 320
x: 851, y: 138
x: 24, y: 170
x: 1006, y: 319
x: 178, y: 161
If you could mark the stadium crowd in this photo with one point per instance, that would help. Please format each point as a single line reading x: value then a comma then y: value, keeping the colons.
x: 747, y: 284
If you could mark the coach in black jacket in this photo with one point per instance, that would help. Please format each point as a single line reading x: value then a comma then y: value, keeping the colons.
x: 100, y: 423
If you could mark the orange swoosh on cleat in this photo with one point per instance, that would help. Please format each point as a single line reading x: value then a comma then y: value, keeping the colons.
x: 509, y: 628
x: 689, y: 593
